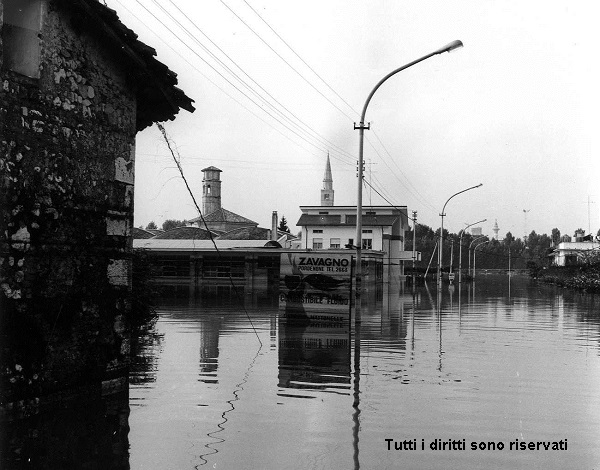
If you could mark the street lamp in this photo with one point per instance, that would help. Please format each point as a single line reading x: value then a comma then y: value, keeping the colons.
x: 361, y: 128
x: 462, y: 232
x: 470, y: 244
x: 474, y: 252
x: 439, y: 268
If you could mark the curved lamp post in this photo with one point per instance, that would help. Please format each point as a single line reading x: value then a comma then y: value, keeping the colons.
x: 439, y: 269
x: 474, y: 252
x: 462, y: 232
x: 470, y: 244
x: 361, y: 127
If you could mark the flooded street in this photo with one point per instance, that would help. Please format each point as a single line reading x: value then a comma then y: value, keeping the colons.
x: 430, y: 380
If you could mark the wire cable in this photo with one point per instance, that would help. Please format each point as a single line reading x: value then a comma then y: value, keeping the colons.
x: 177, y: 162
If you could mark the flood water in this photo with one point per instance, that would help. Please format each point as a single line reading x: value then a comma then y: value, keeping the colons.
x: 503, y: 373
x: 502, y: 363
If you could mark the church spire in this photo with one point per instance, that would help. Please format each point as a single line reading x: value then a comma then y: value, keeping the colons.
x: 327, y: 191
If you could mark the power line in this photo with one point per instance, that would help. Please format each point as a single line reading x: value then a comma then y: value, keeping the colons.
x: 303, y: 61
x: 315, y: 133
x: 408, y: 183
x: 289, y: 65
x: 230, y: 83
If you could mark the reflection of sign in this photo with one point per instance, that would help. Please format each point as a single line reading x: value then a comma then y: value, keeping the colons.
x: 314, y: 357
x: 315, y: 287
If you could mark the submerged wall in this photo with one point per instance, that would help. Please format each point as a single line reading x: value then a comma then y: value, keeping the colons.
x: 66, y: 212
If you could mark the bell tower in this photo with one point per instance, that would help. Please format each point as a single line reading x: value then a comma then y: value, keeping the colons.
x: 211, y: 190
x: 327, y: 191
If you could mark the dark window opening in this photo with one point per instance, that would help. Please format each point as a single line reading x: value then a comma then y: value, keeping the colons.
x: 173, y: 266
x: 20, y: 36
x: 223, y: 267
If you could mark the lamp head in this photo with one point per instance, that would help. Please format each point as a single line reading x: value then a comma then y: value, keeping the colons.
x: 450, y: 47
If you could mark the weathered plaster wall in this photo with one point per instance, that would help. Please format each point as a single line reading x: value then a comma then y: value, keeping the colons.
x: 66, y: 213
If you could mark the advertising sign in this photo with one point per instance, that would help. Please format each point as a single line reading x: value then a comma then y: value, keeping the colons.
x: 315, y: 287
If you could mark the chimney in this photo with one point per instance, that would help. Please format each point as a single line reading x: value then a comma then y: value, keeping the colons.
x: 274, y: 224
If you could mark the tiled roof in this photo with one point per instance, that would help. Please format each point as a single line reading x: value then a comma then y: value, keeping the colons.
x: 321, y: 219
x: 140, y: 233
x: 184, y: 233
x: 335, y: 220
x: 212, y: 168
x: 373, y: 220
x: 223, y: 215
x: 158, y: 99
x: 246, y: 233
x: 153, y: 244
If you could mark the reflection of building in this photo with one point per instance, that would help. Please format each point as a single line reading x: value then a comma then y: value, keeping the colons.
x: 210, y: 328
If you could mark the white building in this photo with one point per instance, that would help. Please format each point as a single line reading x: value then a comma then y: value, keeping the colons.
x: 333, y: 227
x: 573, y: 253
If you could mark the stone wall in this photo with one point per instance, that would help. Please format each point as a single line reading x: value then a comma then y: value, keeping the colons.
x: 66, y: 213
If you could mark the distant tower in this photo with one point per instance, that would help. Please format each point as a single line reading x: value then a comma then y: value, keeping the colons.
x: 211, y: 190
x: 496, y: 229
x: 327, y: 191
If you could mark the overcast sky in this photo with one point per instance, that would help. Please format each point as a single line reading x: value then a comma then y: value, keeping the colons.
x: 516, y: 109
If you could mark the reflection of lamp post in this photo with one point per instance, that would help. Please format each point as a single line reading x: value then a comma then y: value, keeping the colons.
x: 474, y: 252
x: 439, y: 269
x: 470, y: 244
x: 361, y: 127
x: 414, y: 253
x: 462, y: 232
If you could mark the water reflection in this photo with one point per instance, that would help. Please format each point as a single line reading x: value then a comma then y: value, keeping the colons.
x: 500, y: 359
x: 314, y: 358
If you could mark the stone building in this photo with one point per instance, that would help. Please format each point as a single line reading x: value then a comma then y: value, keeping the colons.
x: 75, y: 87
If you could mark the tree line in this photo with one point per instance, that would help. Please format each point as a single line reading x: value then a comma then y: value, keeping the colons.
x: 509, y: 253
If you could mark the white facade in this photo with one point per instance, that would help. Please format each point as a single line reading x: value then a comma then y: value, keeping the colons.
x: 334, y: 227
x: 570, y: 253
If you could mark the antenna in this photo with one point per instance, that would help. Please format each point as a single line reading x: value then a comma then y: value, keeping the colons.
x: 589, y: 218
x: 525, y: 211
